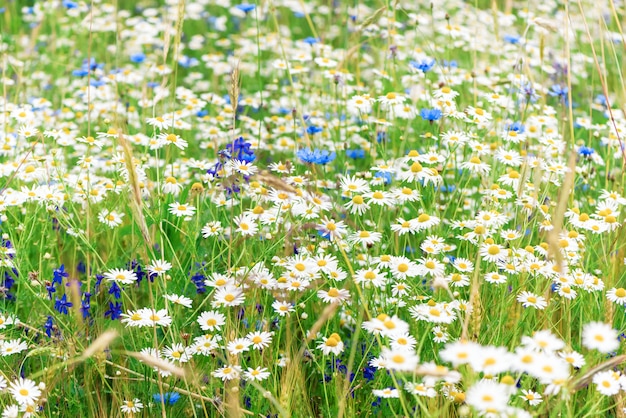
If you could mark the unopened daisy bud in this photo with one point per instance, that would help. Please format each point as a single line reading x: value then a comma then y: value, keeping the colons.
x: 440, y: 283
x: 197, y: 188
x: 304, y: 315
x: 235, y: 389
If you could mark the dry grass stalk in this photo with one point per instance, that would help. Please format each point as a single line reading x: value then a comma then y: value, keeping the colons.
x: 158, y: 363
x: 136, y: 201
x: 101, y: 343
x: 559, y: 213
x: 584, y: 380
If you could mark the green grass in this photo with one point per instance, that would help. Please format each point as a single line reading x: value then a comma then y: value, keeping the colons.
x: 82, y: 375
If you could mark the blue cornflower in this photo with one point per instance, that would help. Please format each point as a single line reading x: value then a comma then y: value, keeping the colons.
x: 558, y: 91
x: 97, y: 83
x: 381, y: 136
x: 316, y: 156
x: 138, y: 58
x: 446, y: 189
x: 187, y: 62
x: 311, y: 40
x: 325, y: 235
x: 355, y: 153
x: 169, y: 398
x: 586, y: 151
x: 69, y: 4
x: 527, y: 90
x: 512, y: 39
x: 312, y: 130
x: 92, y: 64
x: 245, y: 7
x: 87, y: 65
x: 80, y: 73
x: 61, y: 305
x: 424, y: 64
x: 601, y: 100
x: 430, y: 115
x: 516, y: 126
x: 384, y: 175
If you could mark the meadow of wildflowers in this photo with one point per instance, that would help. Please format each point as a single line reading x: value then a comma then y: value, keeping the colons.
x: 312, y: 208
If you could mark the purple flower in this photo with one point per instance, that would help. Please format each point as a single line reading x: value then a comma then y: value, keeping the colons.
x: 114, y: 311
x: 62, y: 305
x: 59, y: 274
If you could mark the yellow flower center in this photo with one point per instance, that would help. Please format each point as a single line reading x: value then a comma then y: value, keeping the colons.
x: 423, y: 218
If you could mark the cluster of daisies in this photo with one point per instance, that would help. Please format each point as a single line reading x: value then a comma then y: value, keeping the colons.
x: 235, y: 197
